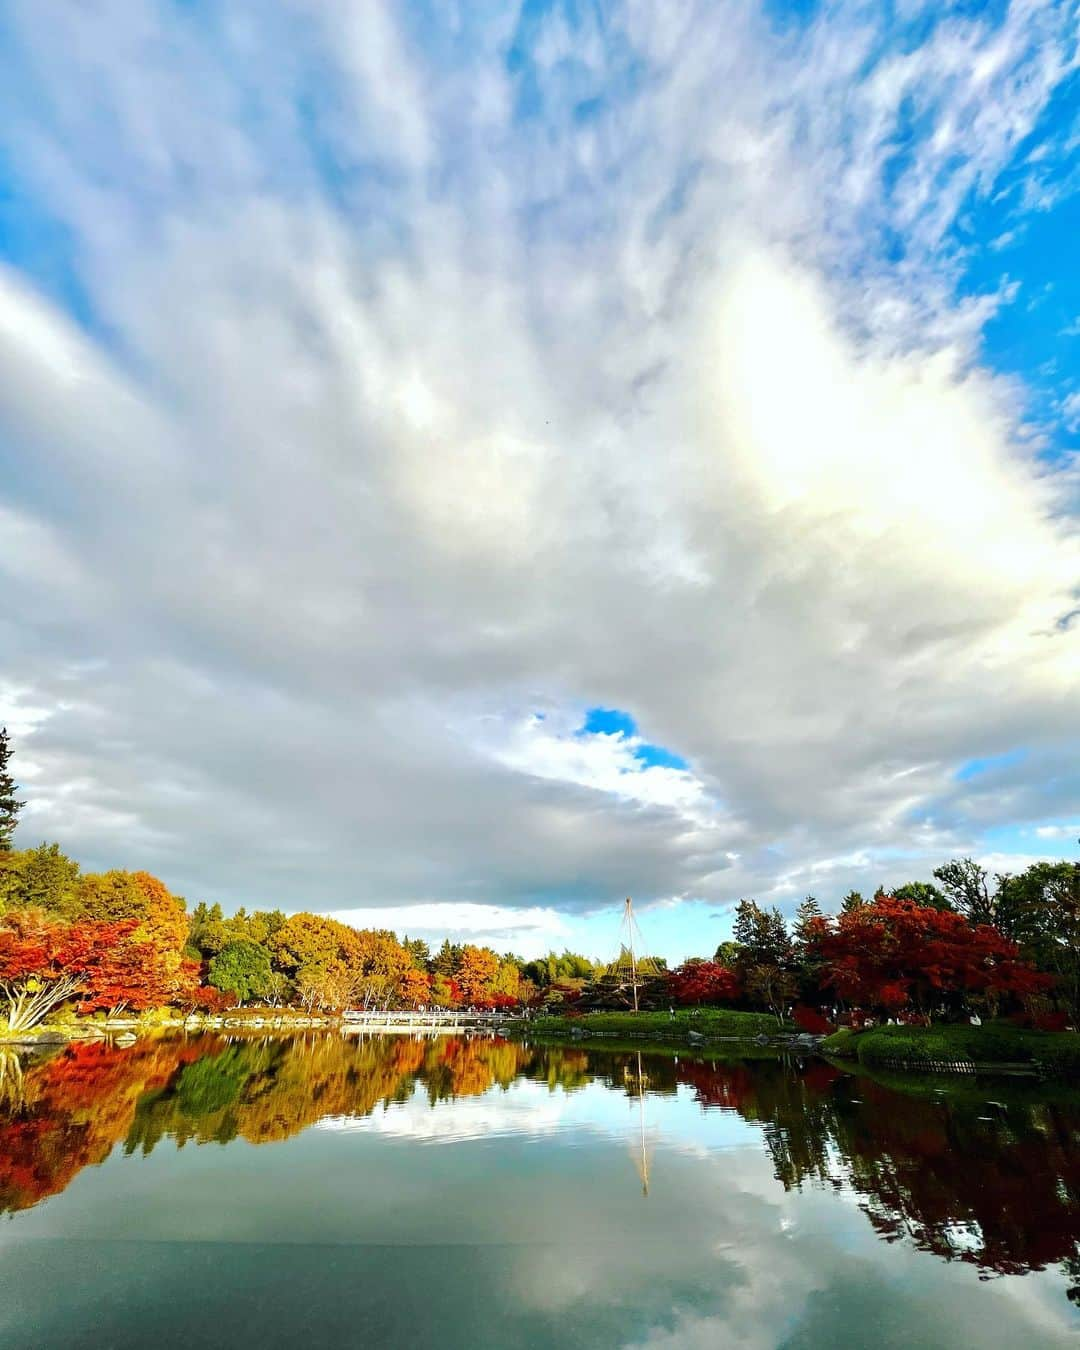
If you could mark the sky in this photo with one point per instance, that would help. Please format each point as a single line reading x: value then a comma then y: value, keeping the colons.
x: 462, y: 464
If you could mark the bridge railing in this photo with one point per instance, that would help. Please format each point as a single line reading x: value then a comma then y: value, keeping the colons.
x: 429, y: 1017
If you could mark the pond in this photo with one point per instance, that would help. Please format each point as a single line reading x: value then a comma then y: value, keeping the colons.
x: 328, y: 1191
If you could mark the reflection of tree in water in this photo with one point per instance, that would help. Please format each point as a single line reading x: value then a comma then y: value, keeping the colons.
x: 64, y: 1113
x: 995, y: 1186
x: 1000, y: 1189
x: 71, y: 1109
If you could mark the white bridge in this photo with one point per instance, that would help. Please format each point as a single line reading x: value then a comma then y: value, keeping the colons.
x: 434, y: 1021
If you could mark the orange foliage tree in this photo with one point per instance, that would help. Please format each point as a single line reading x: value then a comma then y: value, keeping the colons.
x: 43, y: 963
x: 414, y: 988
x: 476, y: 973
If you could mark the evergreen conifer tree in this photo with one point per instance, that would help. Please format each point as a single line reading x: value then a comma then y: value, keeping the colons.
x: 9, y: 804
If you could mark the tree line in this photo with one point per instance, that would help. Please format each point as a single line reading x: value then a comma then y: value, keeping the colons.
x: 121, y: 940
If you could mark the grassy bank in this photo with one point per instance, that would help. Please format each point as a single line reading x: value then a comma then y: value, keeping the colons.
x: 661, y: 1025
x: 963, y: 1044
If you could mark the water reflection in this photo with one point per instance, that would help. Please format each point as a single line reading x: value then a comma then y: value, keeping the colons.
x: 987, y: 1175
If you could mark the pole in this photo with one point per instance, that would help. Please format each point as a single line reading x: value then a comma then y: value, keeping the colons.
x: 633, y: 958
x: 641, y: 1116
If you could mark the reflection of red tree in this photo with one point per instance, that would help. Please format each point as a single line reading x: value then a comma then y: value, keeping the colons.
x: 74, y: 1108
x: 729, y: 1086
x: 1001, y: 1194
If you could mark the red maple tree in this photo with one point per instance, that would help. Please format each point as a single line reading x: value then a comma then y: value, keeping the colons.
x: 894, y: 955
x: 44, y: 963
x: 702, y: 982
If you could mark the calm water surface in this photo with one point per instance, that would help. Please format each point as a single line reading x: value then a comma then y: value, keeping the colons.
x: 312, y: 1191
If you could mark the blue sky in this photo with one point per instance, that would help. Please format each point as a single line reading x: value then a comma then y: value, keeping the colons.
x: 462, y: 465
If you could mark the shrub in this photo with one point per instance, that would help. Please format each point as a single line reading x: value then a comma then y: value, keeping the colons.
x: 843, y: 1043
x: 809, y: 1019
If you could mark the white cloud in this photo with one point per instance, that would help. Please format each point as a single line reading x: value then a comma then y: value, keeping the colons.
x: 604, y: 761
x: 528, y: 931
x: 368, y: 453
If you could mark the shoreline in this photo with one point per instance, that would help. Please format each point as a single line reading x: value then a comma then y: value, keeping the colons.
x: 955, y: 1050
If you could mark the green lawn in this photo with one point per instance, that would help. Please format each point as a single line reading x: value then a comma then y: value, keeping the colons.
x: 709, y: 1021
x: 992, y: 1043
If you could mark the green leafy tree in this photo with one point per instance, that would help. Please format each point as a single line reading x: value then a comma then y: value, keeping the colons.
x: 924, y: 894
x: 104, y: 897
x: 772, y: 986
x: 10, y: 806
x: 258, y: 927
x: 243, y: 970
x: 447, y: 959
x: 1046, y: 900
x: 728, y: 954
x: 805, y: 915
x: 807, y: 965
x: 766, y: 961
x: 966, y: 883
x: 418, y: 952
x: 208, y: 933
x: 762, y: 934
x: 852, y: 901
x: 969, y: 891
x: 38, y: 878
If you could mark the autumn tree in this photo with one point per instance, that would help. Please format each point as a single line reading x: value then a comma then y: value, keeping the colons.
x: 124, y: 979
x: 507, y: 982
x: 161, y: 922
x: 379, y: 961
x: 44, y: 963
x: 308, y: 940
x: 476, y: 972
x: 414, y: 988
x: 894, y: 954
x: 321, y: 957
x: 697, y: 982
x: 445, y: 992
x: 10, y: 806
